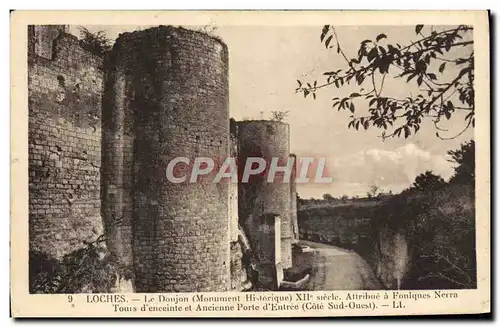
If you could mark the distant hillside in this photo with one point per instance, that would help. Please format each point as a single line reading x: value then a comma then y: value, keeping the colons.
x: 305, y: 204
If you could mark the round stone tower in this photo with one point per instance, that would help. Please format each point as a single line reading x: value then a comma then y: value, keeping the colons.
x: 166, y: 96
x: 267, y: 140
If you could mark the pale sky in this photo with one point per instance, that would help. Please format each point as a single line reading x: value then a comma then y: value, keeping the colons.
x: 264, y: 65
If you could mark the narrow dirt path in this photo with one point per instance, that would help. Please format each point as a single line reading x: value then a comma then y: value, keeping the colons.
x: 334, y: 268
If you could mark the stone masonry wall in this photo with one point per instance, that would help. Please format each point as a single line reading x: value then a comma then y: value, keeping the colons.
x: 293, y: 201
x: 64, y: 99
x: 174, y: 83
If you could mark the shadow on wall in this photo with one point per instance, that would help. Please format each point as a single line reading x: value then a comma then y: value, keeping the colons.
x: 346, y: 226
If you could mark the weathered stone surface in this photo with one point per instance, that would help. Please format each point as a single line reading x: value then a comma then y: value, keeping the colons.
x: 64, y: 142
x: 171, y: 85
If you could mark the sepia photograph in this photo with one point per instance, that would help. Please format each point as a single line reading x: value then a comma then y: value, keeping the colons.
x: 248, y: 158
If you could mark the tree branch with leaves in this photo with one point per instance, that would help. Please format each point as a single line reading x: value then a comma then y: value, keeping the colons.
x: 440, y: 63
x: 279, y: 115
x: 97, y: 43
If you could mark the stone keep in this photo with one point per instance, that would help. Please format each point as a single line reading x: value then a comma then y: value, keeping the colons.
x: 265, y: 139
x: 166, y: 96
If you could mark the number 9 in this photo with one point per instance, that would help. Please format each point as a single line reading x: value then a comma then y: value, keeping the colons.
x: 70, y: 298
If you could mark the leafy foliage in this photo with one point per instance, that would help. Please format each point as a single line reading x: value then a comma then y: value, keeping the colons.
x: 465, y: 161
x: 279, y: 115
x: 444, y: 78
x: 210, y: 28
x: 374, y: 191
x: 327, y: 197
x: 97, y: 43
x: 90, y: 269
x: 428, y: 182
x: 437, y: 219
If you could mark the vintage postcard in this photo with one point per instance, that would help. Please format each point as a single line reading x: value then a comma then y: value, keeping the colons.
x: 250, y: 163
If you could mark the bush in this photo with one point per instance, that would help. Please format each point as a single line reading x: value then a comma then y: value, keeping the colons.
x: 97, y: 43
x: 439, y: 227
x: 88, y: 270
